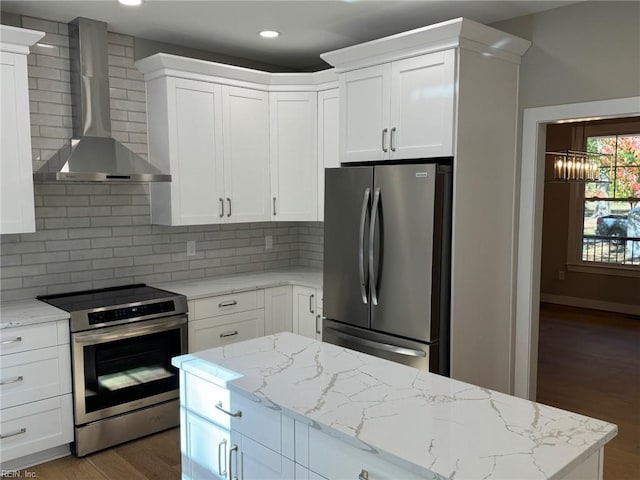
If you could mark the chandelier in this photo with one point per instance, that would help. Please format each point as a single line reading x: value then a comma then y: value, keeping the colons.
x: 574, y: 166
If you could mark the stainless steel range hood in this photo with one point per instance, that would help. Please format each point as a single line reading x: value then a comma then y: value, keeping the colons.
x: 93, y: 155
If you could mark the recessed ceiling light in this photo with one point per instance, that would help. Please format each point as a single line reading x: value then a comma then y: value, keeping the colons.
x: 130, y: 3
x: 269, y: 34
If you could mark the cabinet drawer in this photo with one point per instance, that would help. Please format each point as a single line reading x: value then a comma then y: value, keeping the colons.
x: 201, y: 397
x: 219, y: 331
x: 224, y: 304
x: 30, y: 337
x: 36, y: 426
x: 34, y: 375
x: 333, y: 458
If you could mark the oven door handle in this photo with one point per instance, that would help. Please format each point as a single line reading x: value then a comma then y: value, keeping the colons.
x: 121, y: 332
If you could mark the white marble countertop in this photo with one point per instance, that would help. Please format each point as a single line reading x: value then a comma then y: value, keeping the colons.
x: 28, y: 312
x: 208, y: 287
x: 432, y: 425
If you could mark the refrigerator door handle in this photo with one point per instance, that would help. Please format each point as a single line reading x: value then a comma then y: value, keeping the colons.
x: 363, y: 216
x: 372, y: 234
x: 387, y: 347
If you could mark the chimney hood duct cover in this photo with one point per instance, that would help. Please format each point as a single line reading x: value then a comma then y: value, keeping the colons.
x: 96, y: 156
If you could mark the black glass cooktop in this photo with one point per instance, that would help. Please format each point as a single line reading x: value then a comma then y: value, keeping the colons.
x: 106, y: 297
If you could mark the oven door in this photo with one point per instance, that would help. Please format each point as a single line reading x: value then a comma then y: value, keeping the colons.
x: 126, y: 367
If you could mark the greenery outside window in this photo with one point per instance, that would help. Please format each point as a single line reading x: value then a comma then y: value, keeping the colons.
x: 611, y: 206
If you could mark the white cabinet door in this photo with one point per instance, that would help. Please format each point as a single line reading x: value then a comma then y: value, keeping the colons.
x: 422, y: 105
x: 328, y: 148
x: 294, y: 168
x: 206, y: 448
x: 364, y: 114
x: 194, y: 143
x: 254, y: 461
x: 245, y: 116
x: 17, y: 213
x: 304, y: 311
x: 278, y: 312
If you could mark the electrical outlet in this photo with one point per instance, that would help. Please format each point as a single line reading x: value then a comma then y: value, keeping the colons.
x: 268, y: 242
x: 191, y: 248
x: 560, y: 274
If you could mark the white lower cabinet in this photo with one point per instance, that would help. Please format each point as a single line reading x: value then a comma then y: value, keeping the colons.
x: 251, y: 460
x: 207, y: 445
x: 278, y: 311
x: 305, y: 321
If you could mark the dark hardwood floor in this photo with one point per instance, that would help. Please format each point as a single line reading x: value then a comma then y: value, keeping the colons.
x: 589, y: 362
x: 154, y: 457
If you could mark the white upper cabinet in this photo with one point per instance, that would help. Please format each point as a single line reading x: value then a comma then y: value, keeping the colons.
x: 328, y: 146
x: 398, y: 110
x: 214, y: 141
x: 17, y: 213
x: 246, y: 154
x: 294, y: 156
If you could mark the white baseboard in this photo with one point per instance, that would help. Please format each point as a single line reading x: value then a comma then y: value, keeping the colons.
x: 590, y: 303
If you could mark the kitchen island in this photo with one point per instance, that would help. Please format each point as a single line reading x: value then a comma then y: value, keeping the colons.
x: 285, y: 406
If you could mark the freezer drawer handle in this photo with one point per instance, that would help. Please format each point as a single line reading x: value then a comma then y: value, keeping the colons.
x: 13, y: 340
x: 372, y: 234
x: 13, y: 380
x: 231, y: 414
x: 229, y: 334
x: 409, y: 352
x: 13, y: 434
x: 363, y: 217
x: 227, y: 304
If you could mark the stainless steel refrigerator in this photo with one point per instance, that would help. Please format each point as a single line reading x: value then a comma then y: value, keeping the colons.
x: 387, y: 244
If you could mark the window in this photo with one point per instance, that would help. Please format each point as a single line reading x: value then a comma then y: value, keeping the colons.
x: 611, y: 206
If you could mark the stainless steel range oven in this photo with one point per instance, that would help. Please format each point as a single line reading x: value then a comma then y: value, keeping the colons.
x: 122, y: 342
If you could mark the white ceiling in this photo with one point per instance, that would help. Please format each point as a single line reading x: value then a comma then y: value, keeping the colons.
x: 309, y: 27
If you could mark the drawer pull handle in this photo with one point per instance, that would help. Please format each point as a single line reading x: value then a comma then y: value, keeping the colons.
x: 13, y: 434
x: 13, y: 380
x: 13, y: 340
x: 227, y: 304
x: 364, y: 475
x: 220, y: 456
x: 237, y: 414
x: 228, y: 334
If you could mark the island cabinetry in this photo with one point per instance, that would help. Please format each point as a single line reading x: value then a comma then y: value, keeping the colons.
x: 294, y: 163
x: 213, y: 140
x: 398, y: 110
x: 35, y: 392
x: 220, y: 320
x: 17, y: 213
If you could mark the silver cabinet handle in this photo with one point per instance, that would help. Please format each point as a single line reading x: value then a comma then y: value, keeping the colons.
x: 13, y: 340
x: 227, y: 304
x: 229, y: 205
x: 13, y: 380
x: 13, y: 434
x: 364, y: 475
x: 274, y: 206
x: 220, y: 456
x: 231, y: 450
x: 311, y: 297
x: 391, y: 144
x: 317, y: 325
x: 372, y: 234
x: 236, y: 414
x: 221, y: 207
x: 363, y: 217
x: 384, y: 140
x: 228, y: 334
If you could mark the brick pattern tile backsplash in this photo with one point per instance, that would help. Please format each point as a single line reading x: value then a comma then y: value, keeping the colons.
x: 99, y: 235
